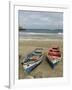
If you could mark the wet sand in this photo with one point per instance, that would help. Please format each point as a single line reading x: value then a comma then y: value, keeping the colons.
x: 43, y: 70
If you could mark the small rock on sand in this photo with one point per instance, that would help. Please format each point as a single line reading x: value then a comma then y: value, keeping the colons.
x: 29, y: 77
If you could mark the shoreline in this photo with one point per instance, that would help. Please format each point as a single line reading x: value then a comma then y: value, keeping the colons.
x: 23, y: 39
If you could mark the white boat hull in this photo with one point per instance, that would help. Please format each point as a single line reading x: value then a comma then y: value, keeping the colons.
x: 53, y: 62
x: 28, y: 67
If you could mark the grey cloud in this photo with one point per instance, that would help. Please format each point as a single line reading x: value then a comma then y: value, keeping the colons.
x: 44, y: 20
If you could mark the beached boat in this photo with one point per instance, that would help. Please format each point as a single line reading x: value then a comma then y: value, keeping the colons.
x: 32, y: 60
x: 29, y: 66
x: 53, y: 56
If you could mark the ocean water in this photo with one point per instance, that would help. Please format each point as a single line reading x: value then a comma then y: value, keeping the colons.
x: 42, y: 30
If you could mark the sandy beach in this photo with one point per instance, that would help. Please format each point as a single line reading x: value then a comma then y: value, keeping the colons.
x: 43, y: 70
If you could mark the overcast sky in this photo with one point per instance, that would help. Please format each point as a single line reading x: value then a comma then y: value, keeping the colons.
x: 40, y: 20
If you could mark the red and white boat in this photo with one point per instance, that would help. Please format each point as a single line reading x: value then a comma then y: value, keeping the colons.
x: 53, y: 56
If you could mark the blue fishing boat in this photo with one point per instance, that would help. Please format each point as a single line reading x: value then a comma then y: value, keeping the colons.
x: 32, y: 60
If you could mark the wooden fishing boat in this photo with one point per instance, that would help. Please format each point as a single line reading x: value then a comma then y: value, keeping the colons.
x: 32, y: 60
x: 53, y: 56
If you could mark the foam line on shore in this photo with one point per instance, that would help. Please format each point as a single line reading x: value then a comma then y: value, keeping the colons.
x: 40, y: 39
